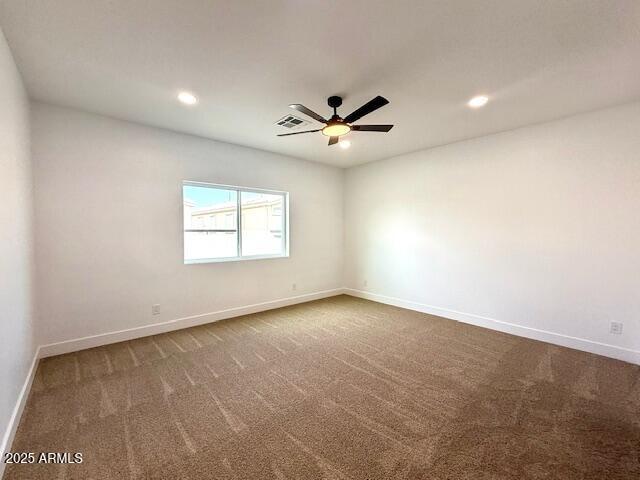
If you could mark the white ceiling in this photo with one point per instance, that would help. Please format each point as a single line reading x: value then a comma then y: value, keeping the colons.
x: 247, y: 60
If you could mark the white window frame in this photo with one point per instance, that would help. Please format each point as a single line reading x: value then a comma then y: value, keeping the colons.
x: 239, y: 190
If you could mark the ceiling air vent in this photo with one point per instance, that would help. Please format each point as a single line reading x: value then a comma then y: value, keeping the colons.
x: 290, y: 121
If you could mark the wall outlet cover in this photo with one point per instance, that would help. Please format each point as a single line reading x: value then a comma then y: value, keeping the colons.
x: 616, y: 328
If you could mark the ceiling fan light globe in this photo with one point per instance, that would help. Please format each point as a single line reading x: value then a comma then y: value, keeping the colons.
x: 336, y: 129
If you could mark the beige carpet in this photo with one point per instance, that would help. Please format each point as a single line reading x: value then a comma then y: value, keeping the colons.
x: 340, y: 388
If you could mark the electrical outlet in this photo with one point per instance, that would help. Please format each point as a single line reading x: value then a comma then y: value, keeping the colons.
x: 294, y: 287
x: 365, y: 283
x: 155, y: 309
x: 616, y: 328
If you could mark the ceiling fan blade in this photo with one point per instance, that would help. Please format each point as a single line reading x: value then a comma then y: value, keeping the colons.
x: 366, y: 109
x: 298, y: 133
x: 308, y: 112
x: 371, y: 128
x: 333, y: 140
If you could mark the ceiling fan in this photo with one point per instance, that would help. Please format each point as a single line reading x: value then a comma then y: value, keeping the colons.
x: 337, y: 126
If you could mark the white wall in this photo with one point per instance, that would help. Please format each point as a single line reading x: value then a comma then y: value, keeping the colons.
x: 538, y: 227
x: 16, y: 259
x: 533, y: 231
x: 108, y: 203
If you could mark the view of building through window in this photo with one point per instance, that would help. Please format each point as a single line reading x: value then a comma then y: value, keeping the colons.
x: 213, y: 214
x: 262, y: 220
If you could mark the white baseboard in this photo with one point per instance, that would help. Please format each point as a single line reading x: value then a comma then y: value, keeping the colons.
x: 76, y: 344
x: 607, y: 350
x: 14, y: 420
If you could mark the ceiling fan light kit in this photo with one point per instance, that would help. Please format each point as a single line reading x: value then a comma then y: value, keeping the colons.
x: 336, y: 129
x: 337, y: 126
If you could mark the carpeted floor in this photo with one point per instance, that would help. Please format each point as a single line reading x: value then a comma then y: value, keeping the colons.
x: 340, y: 388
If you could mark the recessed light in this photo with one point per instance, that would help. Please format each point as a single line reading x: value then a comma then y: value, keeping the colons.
x: 479, y: 101
x: 187, y: 98
x: 344, y: 144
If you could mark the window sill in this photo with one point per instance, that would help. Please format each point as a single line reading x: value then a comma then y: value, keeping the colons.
x: 234, y: 259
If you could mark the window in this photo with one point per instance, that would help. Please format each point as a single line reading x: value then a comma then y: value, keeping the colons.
x: 223, y: 223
